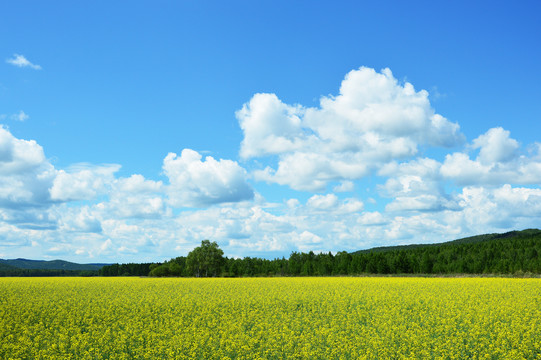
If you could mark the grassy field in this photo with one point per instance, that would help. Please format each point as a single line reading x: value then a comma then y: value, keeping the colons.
x: 270, y: 318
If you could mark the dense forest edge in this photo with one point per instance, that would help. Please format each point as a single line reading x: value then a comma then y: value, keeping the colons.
x: 514, y: 253
x: 32, y: 268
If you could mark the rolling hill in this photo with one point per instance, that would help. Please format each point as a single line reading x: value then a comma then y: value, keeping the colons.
x: 467, y: 240
x: 46, y: 265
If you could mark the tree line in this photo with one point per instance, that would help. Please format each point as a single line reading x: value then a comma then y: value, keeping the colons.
x: 18, y: 272
x: 508, y: 254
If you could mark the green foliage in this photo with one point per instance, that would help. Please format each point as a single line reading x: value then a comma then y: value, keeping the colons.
x: 45, y: 272
x: 4, y: 266
x: 512, y: 253
x: 173, y: 267
x: 25, y: 267
x: 205, y: 260
x: 131, y: 269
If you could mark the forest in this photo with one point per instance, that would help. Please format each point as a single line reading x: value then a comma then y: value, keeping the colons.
x: 40, y: 268
x: 12, y: 271
x: 513, y: 253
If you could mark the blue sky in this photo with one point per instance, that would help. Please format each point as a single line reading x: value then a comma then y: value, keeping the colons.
x: 133, y: 130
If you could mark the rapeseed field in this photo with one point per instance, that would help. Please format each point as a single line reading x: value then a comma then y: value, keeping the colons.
x: 270, y: 318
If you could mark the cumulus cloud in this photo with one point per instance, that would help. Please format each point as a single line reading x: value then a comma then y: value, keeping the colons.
x: 415, y: 186
x: 501, y: 207
x: 83, y: 182
x: 308, y: 241
x: 373, y: 120
x: 132, y: 205
x: 195, y: 183
x: 21, y: 61
x: 420, y: 184
x: 138, y: 184
x: 17, y: 155
x: 376, y: 125
x: 79, y: 219
x: 34, y: 195
x: 312, y: 171
x: 344, y: 186
x: 372, y: 219
x: 371, y: 102
x: 323, y: 202
x: 269, y: 126
x: 85, y: 210
x: 498, y: 162
x: 135, y: 197
x: 496, y: 146
x: 330, y: 202
x: 425, y: 202
x: 25, y: 174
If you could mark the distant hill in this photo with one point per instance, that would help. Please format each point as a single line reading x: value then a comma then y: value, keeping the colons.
x: 467, y: 240
x: 47, y: 265
x: 514, y: 252
x: 6, y: 266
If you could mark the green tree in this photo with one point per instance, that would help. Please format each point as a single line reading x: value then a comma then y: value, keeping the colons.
x: 427, y: 264
x: 294, y: 263
x: 205, y: 260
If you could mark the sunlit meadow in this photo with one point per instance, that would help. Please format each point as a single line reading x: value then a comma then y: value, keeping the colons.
x: 270, y: 318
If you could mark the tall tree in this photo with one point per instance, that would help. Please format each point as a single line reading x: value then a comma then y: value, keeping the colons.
x: 205, y: 260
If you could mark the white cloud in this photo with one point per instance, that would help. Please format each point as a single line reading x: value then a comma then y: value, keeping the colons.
x: 375, y: 125
x: 196, y: 183
x: 79, y: 219
x: 308, y: 241
x: 312, y: 171
x: 323, y: 202
x: 292, y: 203
x: 500, y: 208
x: 427, y: 202
x: 126, y: 250
x: 463, y: 170
x: 135, y: 197
x: 138, y: 184
x: 27, y: 217
x: 126, y: 206
x: 415, y: 186
x: 372, y: 219
x: 372, y: 121
x: 20, y: 116
x: 351, y: 205
x: 21, y: 61
x: 330, y: 202
x: 344, y: 186
x: 106, y: 246
x: 17, y: 155
x: 25, y: 174
x: 496, y: 146
x: 270, y: 126
x: 322, y: 223
x: 371, y: 102
x: 83, y: 182
x: 498, y: 162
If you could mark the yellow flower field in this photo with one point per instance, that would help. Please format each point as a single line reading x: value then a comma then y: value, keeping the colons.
x: 270, y: 318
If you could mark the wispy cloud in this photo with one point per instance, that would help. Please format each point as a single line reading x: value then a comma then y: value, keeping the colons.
x: 21, y: 61
x: 20, y: 116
